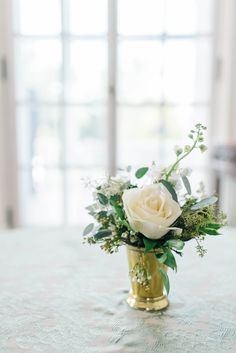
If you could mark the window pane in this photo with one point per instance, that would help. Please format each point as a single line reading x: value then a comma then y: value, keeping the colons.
x: 140, y: 65
x: 187, y: 71
x: 88, y: 16
x: 37, y: 17
x: 180, y: 71
x: 148, y: 134
x: 86, y: 136
x: 140, y: 17
x: 86, y: 79
x: 178, y: 122
x: 204, y: 58
x: 39, y: 136
x: 41, y: 197
x: 188, y: 16
x: 139, y: 135
x: 38, y: 70
x: 78, y: 196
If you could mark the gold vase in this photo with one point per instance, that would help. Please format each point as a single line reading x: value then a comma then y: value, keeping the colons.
x: 151, y: 297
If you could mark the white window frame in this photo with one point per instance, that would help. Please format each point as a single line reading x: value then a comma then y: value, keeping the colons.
x: 9, y: 216
x: 223, y: 102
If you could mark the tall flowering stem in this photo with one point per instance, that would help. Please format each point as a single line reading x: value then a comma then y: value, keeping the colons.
x: 183, y: 153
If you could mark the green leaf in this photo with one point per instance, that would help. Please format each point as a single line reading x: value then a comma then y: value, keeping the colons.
x: 88, y: 229
x: 177, y: 244
x: 119, y: 212
x: 209, y: 231
x: 204, y: 203
x: 102, y: 234
x: 186, y: 184
x: 141, y: 172
x: 126, y: 224
x: 102, y: 199
x: 165, y: 279
x: 170, y: 260
x: 170, y: 188
x: 161, y: 257
x: 102, y: 214
x: 149, y: 244
x: 214, y: 225
x: 114, y: 198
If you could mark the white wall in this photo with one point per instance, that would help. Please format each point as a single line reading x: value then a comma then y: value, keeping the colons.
x: 224, y: 90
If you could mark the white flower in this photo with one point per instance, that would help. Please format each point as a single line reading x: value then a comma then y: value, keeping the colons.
x: 150, y: 210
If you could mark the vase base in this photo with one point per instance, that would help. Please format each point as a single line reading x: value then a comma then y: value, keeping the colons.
x: 148, y: 304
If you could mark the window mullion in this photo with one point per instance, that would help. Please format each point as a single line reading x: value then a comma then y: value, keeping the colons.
x: 62, y: 107
x: 112, y: 77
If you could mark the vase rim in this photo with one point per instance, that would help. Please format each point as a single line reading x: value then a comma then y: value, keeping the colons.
x: 136, y: 249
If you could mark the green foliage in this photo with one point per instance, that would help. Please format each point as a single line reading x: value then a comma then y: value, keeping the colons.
x: 141, y: 172
x: 177, y: 244
x: 203, y: 203
x: 170, y: 259
x: 88, y: 229
x: 209, y: 231
x: 102, y: 234
x: 149, y: 244
x: 102, y: 199
x: 161, y: 257
x: 186, y: 184
x: 170, y: 188
x: 165, y: 279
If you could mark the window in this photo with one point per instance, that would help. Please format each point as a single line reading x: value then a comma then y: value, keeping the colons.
x: 101, y: 84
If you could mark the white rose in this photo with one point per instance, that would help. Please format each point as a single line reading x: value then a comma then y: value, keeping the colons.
x: 150, y: 210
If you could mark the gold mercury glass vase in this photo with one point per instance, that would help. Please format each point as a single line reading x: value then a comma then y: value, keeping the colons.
x: 151, y: 297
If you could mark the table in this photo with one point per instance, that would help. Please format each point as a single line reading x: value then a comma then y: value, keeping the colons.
x: 60, y: 296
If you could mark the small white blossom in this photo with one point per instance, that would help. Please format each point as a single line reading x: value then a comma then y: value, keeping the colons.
x: 185, y: 171
x: 178, y: 150
x: 175, y: 179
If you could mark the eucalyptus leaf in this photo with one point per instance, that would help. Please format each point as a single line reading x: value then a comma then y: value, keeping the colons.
x: 165, y: 279
x: 204, y: 203
x: 170, y: 188
x: 102, y: 214
x: 88, y: 229
x: 102, y: 199
x: 141, y: 172
x: 177, y: 244
x: 102, y: 234
x: 186, y: 184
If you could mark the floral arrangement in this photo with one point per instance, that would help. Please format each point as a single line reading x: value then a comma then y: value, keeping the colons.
x: 160, y: 213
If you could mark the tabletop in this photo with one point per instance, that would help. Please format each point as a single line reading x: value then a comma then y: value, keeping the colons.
x: 58, y: 295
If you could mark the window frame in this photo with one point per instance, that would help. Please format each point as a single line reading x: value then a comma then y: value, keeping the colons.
x: 8, y: 159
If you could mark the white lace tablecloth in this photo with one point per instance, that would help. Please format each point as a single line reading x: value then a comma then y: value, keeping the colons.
x: 59, y: 296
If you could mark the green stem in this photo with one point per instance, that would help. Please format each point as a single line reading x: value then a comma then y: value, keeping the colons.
x: 182, y: 157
